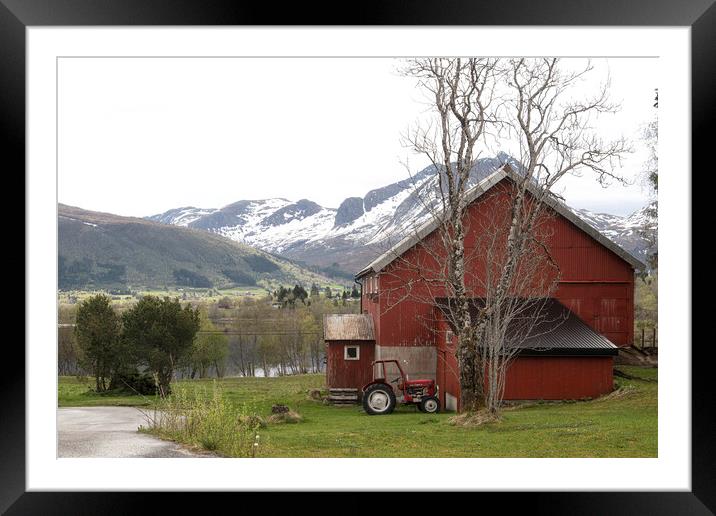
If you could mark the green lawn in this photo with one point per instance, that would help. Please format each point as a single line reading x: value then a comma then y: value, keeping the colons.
x: 623, y: 426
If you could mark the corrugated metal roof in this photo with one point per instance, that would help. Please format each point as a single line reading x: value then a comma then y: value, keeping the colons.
x: 557, y: 330
x: 473, y: 194
x: 348, y: 327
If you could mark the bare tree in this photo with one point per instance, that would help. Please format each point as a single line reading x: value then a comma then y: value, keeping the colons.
x: 648, y: 231
x: 502, y: 256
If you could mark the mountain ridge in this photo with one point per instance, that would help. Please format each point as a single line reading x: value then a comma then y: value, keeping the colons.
x: 348, y: 237
x: 99, y: 249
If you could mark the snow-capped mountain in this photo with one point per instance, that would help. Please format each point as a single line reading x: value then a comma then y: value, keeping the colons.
x: 348, y: 237
x: 182, y: 216
x: 633, y: 232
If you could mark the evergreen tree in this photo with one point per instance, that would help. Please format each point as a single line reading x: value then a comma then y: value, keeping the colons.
x: 299, y: 293
x: 162, y: 333
x: 97, y: 332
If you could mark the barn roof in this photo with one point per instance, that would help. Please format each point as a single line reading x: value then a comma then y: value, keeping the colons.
x: 473, y: 194
x: 546, y: 327
x: 348, y: 327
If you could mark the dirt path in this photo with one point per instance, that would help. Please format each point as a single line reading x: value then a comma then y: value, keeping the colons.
x: 111, y: 432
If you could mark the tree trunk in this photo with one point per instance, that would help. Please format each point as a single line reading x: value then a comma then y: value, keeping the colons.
x: 470, y: 368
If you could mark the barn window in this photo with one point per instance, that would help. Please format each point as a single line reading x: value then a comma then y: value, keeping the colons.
x: 351, y: 352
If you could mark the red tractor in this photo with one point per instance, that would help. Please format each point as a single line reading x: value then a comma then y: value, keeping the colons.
x: 379, y: 397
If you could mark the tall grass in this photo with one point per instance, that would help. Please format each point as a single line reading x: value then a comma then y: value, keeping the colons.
x: 206, y: 419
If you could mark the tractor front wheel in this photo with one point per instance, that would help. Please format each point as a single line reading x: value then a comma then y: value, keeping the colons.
x: 379, y: 399
x: 430, y: 405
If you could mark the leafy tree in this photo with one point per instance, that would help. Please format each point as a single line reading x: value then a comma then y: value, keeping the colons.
x: 329, y: 294
x: 162, y: 333
x: 97, y: 332
x: 210, y: 348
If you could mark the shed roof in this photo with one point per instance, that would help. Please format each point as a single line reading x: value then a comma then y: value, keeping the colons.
x: 348, y: 327
x: 505, y: 171
x: 557, y: 330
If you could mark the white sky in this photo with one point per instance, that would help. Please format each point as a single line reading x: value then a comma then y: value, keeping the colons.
x: 141, y: 136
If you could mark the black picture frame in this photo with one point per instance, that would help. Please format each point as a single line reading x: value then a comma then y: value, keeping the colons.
x: 700, y: 15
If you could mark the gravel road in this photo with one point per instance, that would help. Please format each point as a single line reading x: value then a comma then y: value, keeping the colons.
x: 111, y: 432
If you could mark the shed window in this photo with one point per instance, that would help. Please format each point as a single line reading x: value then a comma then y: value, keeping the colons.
x: 448, y: 337
x: 351, y: 352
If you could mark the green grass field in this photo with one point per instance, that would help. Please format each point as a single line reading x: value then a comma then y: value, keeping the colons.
x: 617, y: 426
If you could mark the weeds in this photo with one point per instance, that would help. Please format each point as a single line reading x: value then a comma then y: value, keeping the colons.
x: 622, y: 392
x: 470, y: 419
x: 285, y: 417
x: 207, y: 419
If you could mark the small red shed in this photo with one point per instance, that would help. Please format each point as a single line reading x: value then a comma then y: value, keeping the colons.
x: 350, y: 350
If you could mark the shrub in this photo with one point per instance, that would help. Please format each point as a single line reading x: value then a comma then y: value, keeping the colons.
x: 134, y: 383
x: 225, y: 302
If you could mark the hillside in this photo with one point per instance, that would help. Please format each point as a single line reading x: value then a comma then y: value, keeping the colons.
x: 349, y: 237
x: 101, y: 250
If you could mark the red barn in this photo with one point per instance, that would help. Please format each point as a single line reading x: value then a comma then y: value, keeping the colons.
x: 594, y: 297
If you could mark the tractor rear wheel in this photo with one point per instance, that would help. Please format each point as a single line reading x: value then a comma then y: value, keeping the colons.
x: 379, y: 399
x: 430, y: 405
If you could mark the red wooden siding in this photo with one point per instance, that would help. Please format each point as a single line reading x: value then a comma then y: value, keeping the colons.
x: 341, y: 373
x: 595, y: 283
x: 409, y: 323
x: 558, y: 378
x: 607, y: 308
x: 369, y: 304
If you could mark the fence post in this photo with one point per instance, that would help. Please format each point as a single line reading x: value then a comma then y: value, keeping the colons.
x: 642, y: 337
